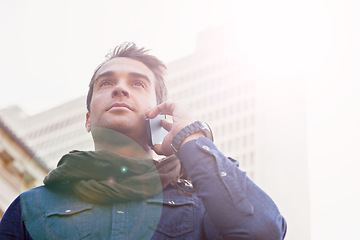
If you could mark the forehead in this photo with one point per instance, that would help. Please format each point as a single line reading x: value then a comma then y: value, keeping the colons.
x: 125, y: 65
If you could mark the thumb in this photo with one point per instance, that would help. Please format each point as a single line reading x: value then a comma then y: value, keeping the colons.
x: 166, y: 125
x: 157, y: 149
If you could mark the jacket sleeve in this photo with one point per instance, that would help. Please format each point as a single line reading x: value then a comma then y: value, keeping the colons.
x: 235, y: 205
x: 11, y: 225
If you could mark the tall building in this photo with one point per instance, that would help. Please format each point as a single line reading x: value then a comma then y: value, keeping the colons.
x: 54, y: 132
x: 20, y: 170
x: 257, y: 120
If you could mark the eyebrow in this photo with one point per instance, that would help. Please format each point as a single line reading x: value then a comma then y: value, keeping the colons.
x: 139, y: 75
x: 104, y: 74
x: 131, y: 74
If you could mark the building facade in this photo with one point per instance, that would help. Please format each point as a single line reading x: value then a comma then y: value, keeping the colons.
x: 20, y: 169
x: 54, y: 132
x: 257, y: 118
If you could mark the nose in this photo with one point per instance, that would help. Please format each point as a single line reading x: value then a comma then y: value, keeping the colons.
x: 119, y: 91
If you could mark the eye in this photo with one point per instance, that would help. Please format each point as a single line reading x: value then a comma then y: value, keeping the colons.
x: 105, y: 83
x: 138, y: 83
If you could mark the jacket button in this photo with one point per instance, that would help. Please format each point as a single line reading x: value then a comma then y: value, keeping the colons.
x: 67, y: 211
x: 206, y: 148
x: 223, y: 174
x: 120, y: 212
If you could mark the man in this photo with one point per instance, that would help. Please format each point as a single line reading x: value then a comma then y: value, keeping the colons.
x: 119, y: 192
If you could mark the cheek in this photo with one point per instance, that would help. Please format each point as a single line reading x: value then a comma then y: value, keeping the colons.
x: 148, y: 99
x: 154, y: 97
x: 96, y: 101
x: 153, y: 101
x: 148, y: 103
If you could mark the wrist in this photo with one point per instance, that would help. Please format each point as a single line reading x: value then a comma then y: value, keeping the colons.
x: 193, y: 136
x: 191, y: 132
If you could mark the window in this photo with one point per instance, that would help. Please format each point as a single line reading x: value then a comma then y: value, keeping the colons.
x: 237, y: 124
x: 230, y: 145
x: 252, y: 158
x: 244, y: 160
x: 237, y: 142
x: 252, y: 119
x: 6, y: 157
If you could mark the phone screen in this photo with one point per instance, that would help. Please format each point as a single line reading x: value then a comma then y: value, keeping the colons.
x: 155, y: 132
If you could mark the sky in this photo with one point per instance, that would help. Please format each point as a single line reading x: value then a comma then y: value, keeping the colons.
x: 49, y: 50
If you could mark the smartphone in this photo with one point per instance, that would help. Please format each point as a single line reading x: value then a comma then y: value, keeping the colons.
x: 154, y: 130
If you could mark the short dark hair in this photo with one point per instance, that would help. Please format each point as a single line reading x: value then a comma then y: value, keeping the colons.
x: 130, y: 50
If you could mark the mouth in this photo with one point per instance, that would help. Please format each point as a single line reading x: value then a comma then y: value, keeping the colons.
x: 119, y: 106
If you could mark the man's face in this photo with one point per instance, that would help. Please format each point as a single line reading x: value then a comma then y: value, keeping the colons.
x: 124, y: 90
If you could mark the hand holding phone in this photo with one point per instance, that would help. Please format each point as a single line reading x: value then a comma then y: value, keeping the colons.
x: 180, y: 117
x: 154, y: 130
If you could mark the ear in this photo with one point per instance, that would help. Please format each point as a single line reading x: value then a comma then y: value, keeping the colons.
x: 88, y: 123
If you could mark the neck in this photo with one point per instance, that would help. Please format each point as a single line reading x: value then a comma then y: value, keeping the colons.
x: 116, y: 142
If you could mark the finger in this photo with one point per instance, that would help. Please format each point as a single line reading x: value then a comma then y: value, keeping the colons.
x: 166, y: 124
x: 157, y: 149
x: 165, y: 108
x: 151, y: 113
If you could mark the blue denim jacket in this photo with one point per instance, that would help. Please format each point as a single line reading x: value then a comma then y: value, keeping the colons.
x: 52, y: 215
x: 226, y: 205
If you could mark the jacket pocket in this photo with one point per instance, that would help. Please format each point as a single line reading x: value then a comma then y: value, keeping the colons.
x: 70, y: 221
x: 177, y: 216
